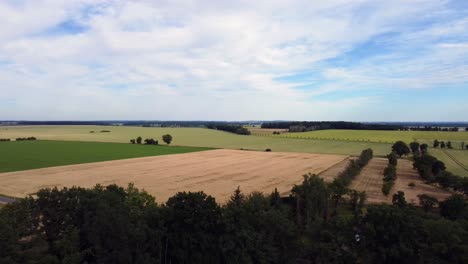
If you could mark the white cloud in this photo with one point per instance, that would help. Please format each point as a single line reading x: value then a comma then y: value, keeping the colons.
x: 207, y: 60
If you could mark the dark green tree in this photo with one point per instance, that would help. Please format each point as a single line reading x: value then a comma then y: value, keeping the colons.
x: 449, y: 144
x: 436, y: 143
x: 437, y: 167
x: 399, y: 200
x: 193, y: 224
x: 427, y: 202
x: 442, y: 144
x: 423, y: 148
x: 312, y: 198
x: 167, y: 139
x: 414, y: 146
x: 453, y: 207
x: 138, y: 140
x: 392, y: 158
x: 400, y: 148
x: 337, y: 191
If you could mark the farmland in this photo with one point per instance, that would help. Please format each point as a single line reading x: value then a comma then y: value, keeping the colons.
x: 196, y: 137
x: 382, y: 136
x: 217, y: 172
x: 27, y: 155
x: 323, y: 141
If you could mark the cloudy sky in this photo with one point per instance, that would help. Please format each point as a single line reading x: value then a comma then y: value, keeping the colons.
x: 399, y: 60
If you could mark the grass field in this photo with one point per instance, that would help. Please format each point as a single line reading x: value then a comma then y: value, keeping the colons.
x: 25, y: 155
x: 198, y: 137
x: 455, y: 160
x: 383, y: 136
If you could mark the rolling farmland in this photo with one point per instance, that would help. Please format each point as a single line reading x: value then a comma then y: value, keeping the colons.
x: 196, y: 137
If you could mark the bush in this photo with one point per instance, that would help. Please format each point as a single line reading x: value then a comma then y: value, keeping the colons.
x: 105, y: 131
x: 411, y: 184
x: 5, y: 139
x: 150, y: 141
x: 267, y: 150
x: 133, y: 141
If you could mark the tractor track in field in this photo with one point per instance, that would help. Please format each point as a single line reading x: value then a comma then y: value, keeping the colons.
x: 455, y: 160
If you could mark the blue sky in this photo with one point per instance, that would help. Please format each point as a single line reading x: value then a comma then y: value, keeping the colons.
x: 362, y: 60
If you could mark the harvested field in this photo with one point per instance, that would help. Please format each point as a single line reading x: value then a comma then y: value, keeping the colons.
x: 405, y: 175
x: 217, y: 172
x: 370, y: 181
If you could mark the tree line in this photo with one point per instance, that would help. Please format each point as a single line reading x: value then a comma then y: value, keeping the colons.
x: 125, y: 225
x: 232, y: 128
x: 302, y: 126
x: 25, y: 138
x: 433, y: 170
x: 390, y: 173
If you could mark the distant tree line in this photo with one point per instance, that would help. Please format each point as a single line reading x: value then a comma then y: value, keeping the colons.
x: 433, y: 128
x: 26, y: 138
x: 5, y: 139
x: 116, y: 225
x: 302, y: 126
x: 236, y: 129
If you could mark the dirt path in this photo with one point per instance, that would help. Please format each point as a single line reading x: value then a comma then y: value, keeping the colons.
x: 217, y: 172
x: 370, y: 181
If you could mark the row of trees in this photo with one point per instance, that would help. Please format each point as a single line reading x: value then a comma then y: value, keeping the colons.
x: 433, y: 170
x: 354, y: 167
x: 150, y: 141
x: 390, y: 173
x: 5, y: 139
x: 116, y: 225
x: 442, y: 144
x: 232, y: 128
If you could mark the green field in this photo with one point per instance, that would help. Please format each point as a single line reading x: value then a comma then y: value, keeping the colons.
x: 455, y: 160
x: 383, y: 136
x: 25, y: 155
x: 197, y: 137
